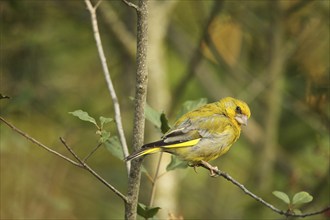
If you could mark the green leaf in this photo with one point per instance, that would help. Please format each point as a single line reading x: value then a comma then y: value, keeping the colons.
x: 152, y: 115
x: 145, y: 211
x: 105, y: 120
x: 297, y: 211
x: 191, y: 105
x: 164, y: 123
x: 114, y: 147
x: 176, y: 163
x: 105, y: 136
x: 301, y: 197
x: 82, y: 115
x: 283, y: 196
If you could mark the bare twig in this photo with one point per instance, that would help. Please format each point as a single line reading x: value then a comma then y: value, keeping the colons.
x: 80, y: 163
x: 92, y: 152
x: 216, y: 171
x: 120, y: 130
x: 34, y: 141
x: 154, y: 181
x: 130, y: 4
x: 89, y: 169
x: 313, y: 213
x: 97, y: 4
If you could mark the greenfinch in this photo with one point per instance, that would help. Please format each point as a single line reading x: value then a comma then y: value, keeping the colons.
x: 203, y: 134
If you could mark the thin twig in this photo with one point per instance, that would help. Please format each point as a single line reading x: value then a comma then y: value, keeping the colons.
x: 154, y: 182
x: 97, y: 4
x: 34, y: 141
x: 81, y: 163
x: 88, y: 168
x: 92, y: 152
x: 120, y: 130
x: 130, y: 4
x: 215, y: 170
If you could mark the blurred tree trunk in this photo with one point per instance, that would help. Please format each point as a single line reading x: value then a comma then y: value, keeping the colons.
x: 274, y: 99
x: 159, y: 98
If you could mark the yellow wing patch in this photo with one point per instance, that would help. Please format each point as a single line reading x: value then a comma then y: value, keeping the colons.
x: 184, y: 144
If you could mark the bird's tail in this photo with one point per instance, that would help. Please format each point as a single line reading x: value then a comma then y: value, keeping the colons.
x: 150, y: 148
x: 142, y: 152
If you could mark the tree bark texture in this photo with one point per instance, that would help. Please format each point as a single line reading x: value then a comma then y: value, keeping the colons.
x: 140, y: 100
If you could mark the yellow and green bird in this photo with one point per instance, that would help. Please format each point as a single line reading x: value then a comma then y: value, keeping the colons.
x: 203, y: 134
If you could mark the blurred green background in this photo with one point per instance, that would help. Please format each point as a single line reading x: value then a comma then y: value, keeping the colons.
x: 272, y: 54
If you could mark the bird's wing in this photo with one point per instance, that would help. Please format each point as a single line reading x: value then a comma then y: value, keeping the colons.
x: 186, y: 131
x: 191, y: 131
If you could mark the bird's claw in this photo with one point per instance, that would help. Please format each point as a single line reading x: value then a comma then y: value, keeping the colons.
x: 206, y: 165
x: 211, y: 168
x: 212, y: 173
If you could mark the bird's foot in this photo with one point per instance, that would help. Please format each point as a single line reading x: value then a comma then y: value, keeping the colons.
x: 213, y: 169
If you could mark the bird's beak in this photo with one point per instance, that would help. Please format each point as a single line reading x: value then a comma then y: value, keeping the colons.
x: 241, y: 119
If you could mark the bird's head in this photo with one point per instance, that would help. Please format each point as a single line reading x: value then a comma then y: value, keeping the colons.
x: 236, y: 109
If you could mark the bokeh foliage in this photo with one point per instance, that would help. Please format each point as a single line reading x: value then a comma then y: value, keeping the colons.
x: 253, y: 50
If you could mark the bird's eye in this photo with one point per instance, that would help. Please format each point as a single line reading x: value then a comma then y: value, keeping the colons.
x: 238, y: 110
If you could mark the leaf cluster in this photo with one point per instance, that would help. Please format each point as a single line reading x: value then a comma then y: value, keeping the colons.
x: 297, y: 200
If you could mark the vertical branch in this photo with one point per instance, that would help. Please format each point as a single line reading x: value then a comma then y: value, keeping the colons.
x: 140, y: 100
x: 120, y: 130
